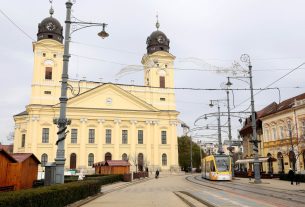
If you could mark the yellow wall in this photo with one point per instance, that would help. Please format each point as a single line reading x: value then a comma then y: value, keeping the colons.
x: 100, y: 106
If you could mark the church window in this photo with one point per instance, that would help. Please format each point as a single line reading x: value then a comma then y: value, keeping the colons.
x: 44, y: 159
x: 164, y: 159
x: 140, y: 136
x: 48, y: 73
x: 165, y: 66
x: 162, y: 82
x: 54, y: 55
x: 124, y: 137
x: 162, y: 99
x: 43, y: 54
x: 163, y: 137
x: 91, y: 135
x: 45, y: 135
x: 108, y: 156
x: 124, y: 157
x: 90, y: 159
x: 108, y: 136
x: 73, y: 136
x: 47, y: 92
x: 23, y: 140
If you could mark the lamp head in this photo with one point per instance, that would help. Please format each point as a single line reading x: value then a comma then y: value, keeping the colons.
x: 211, y: 104
x: 103, y: 34
x: 229, y: 84
x: 205, y: 117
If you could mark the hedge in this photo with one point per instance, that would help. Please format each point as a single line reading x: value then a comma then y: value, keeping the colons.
x: 56, y: 195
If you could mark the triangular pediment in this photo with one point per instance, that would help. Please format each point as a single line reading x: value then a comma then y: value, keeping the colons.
x: 109, y: 96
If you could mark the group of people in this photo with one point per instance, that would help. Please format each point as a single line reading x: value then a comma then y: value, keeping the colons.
x: 293, y: 177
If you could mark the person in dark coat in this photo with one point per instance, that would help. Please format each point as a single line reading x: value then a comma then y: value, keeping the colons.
x: 297, y: 178
x: 291, y: 175
x: 157, y: 173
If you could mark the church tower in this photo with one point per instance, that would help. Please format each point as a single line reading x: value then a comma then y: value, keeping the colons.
x: 158, y: 62
x: 48, y: 64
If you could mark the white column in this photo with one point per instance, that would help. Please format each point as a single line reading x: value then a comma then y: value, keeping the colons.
x: 157, y: 142
x: 117, y: 139
x: 133, y: 137
x: 84, y: 136
x: 148, y: 138
x: 100, y: 140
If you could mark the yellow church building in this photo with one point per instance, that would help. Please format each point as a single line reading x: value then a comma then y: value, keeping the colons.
x: 108, y: 121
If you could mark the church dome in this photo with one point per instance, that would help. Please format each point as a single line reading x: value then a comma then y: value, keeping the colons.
x: 50, y: 28
x: 157, y: 41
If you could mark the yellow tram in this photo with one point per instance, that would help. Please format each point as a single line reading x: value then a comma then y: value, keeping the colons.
x: 216, y: 167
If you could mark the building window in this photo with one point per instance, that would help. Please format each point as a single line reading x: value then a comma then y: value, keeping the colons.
x: 124, y: 137
x: 163, y: 137
x: 91, y: 135
x: 140, y: 161
x: 274, y: 133
x: 108, y: 136
x: 90, y: 159
x: 43, y: 54
x: 73, y: 136
x: 162, y: 99
x: 303, y: 129
x: 48, y: 73
x: 162, y: 82
x: 22, y: 140
x: 164, y: 159
x: 44, y: 159
x: 267, y: 135
x: 281, y: 132
x: 47, y: 92
x: 140, y: 136
x: 124, y: 157
x: 54, y: 55
x: 108, y: 156
x: 73, y: 161
x: 45, y: 135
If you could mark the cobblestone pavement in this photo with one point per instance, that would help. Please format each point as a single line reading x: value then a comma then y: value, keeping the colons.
x: 164, y: 191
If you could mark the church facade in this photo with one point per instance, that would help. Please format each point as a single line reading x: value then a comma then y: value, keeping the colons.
x: 108, y: 121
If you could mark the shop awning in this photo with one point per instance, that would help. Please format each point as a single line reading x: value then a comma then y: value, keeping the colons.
x: 261, y: 159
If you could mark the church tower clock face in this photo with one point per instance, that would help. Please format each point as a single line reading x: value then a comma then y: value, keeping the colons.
x: 50, y: 26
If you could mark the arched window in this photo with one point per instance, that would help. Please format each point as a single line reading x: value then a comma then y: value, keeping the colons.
x: 124, y: 157
x: 280, y: 162
x: 162, y: 82
x: 140, y: 161
x: 164, y: 159
x: 90, y: 159
x: 108, y: 156
x: 270, y: 163
x: 48, y: 73
x: 73, y: 161
x: 44, y: 159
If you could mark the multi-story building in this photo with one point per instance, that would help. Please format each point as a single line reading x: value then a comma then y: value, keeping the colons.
x: 284, y: 135
x: 108, y: 121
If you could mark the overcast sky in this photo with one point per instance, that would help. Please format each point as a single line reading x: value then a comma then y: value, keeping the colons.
x: 204, y: 35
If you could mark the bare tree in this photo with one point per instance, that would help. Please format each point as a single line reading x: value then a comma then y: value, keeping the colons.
x: 134, y: 160
x: 10, y: 137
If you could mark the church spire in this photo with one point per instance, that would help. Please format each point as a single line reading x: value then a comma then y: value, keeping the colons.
x: 157, y: 23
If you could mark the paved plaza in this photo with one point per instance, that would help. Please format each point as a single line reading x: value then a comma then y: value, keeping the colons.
x: 176, y: 191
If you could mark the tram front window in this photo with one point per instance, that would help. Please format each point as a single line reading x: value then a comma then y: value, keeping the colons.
x: 222, y: 164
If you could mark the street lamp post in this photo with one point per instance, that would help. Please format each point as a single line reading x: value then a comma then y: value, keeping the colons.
x: 62, y: 121
x: 246, y: 58
x: 220, y: 150
x: 230, y: 148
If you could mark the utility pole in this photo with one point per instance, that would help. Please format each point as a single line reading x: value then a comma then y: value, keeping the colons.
x: 246, y: 58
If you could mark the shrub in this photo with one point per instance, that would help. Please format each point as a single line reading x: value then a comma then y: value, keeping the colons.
x: 56, y: 195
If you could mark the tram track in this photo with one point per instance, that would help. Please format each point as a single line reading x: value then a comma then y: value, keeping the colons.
x: 265, y: 192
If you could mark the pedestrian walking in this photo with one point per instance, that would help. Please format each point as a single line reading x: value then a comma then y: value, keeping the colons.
x: 297, y: 178
x: 157, y: 173
x: 291, y: 175
x: 249, y: 173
